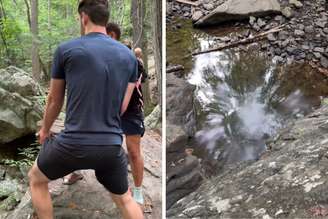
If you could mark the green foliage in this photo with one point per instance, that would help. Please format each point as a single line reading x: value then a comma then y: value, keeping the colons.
x: 28, y: 157
x: 324, y: 101
x: 41, y: 100
x: 57, y: 23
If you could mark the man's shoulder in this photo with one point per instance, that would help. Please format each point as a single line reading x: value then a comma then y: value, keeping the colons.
x: 70, y: 43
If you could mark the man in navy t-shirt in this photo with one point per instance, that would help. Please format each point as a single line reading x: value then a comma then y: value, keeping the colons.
x: 99, y: 75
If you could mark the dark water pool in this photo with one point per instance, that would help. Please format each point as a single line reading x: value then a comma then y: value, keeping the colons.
x: 242, y: 97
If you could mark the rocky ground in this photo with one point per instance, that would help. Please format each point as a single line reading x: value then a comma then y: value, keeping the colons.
x: 303, y: 39
x: 289, y: 181
x: 87, y: 198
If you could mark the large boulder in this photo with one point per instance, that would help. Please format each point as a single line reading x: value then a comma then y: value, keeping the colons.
x: 289, y: 181
x: 180, y: 122
x: 233, y: 10
x: 19, y: 106
x: 153, y: 120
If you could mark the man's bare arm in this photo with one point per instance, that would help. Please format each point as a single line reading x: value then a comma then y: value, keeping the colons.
x: 54, y: 105
x: 127, y: 97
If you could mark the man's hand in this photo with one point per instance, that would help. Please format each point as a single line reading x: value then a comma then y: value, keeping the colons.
x: 55, y: 102
x: 43, y: 135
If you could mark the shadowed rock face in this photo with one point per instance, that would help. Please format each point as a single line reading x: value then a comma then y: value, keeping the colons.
x: 287, y: 182
x: 182, y: 179
x: 233, y: 10
x: 180, y: 115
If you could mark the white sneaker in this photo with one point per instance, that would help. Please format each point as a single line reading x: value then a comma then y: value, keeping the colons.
x: 137, y: 195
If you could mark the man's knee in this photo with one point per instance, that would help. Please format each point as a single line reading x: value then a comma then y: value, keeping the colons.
x: 122, y: 200
x: 133, y: 146
x: 36, y: 177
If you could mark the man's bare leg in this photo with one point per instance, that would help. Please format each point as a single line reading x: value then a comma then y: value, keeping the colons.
x: 135, y: 158
x: 128, y: 207
x: 41, y: 198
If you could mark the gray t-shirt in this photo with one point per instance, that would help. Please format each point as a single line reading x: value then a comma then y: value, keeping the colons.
x: 97, y: 70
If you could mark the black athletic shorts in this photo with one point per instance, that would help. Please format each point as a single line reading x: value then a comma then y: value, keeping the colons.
x: 57, y: 160
x: 133, y: 125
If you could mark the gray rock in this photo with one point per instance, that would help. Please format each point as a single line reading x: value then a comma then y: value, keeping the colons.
x: 196, y: 16
x: 277, y: 51
x: 301, y: 26
x: 225, y: 39
x: 271, y: 37
x: 208, y: 6
x: 233, y: 10
x: 152, y: 121
x: 261, y: 23
x: 10, y: 195
x: 325, y: 30
x: 290, y: 49
x: 283, y: 35
x: 319, y: 49
x: 20, y: 109
x: 299, y: 32
x: 287, y: 12
x: 252, y: 20
x: 324, y: 62
x: 7, y: 187
x: 296, y: 3
x: 309, y: 29
x: 279, y: 18
x: 317, y: 55
x: 293, y: 168
x: 321, y: 24
x: 285, y: 43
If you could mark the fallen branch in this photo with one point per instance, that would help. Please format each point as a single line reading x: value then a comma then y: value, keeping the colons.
x: 242, y: 41
x: 196, y: 4
x: 174, y: 68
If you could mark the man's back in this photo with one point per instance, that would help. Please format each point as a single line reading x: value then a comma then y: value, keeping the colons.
x: 97, y: 70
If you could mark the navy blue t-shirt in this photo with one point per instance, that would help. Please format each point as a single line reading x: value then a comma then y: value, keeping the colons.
x: 97, y: 70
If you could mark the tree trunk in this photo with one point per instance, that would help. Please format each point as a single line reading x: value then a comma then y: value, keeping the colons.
x: 137, y: 17
x: 28, y: 14
x: 3, y: 38
x: 49, y: 46
x: 139, y: 40
x: 35, y: 41
x: 157, y: 44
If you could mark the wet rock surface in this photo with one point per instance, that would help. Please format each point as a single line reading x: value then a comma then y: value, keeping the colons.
x: 304, y: 37
x: 182, y: 178
x: 180, y: 113
x: 288, y: 181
